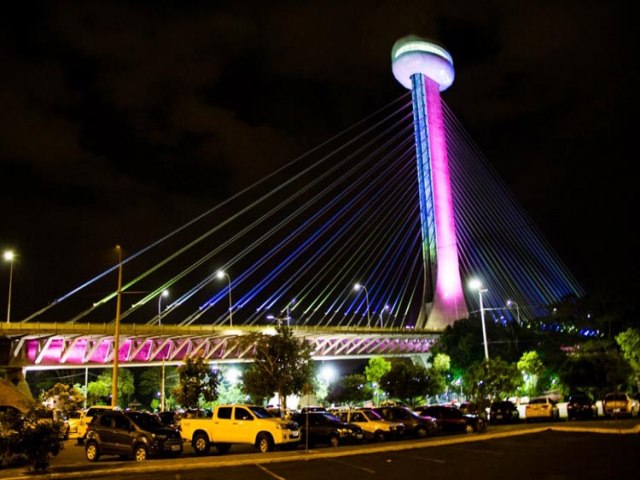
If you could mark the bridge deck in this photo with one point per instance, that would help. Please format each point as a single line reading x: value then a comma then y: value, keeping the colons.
x: 74, y: 345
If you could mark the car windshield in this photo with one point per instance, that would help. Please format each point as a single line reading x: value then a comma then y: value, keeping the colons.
x: 538, y: 401
x: 261, y: 412
x: 146, y: 421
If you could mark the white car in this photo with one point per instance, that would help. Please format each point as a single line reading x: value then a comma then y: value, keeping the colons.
x: 373, y: 425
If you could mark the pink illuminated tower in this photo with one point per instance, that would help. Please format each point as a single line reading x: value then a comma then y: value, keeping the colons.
x: 427, y: 69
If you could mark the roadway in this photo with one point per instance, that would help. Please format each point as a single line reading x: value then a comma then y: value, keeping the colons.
x: 590, y: 449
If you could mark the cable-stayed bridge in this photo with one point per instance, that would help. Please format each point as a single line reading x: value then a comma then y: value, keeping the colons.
x: 292, y: 247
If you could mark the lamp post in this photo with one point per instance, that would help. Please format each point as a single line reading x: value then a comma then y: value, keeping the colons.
x: 511, y: 302
x: 221, y: 274
x: 476, y: 284
x: 385, y: 309
x: 9, y: 256
x: 165, y: 293
x: 116, y: 334
x: 293, y: 300
x: 357, y: 288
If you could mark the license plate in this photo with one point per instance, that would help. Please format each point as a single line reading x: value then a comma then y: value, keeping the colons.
x: 616, y: 410
x: 175, y: 448
x: 498, y: 416
x: 295, y: 434
x: 359, y: 436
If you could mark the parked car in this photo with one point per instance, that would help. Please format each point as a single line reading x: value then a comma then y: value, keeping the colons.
x: 55, y: 416
x: 471, y: 407
x: 542, y: 408
x: 503, y: 411
x: 451, y: 419
x: 74, y: 421
x: 130, y: 434
x: 620, y: 404
x: 581, y: 406
x: 325, y: 428
x: 373, y: 425
x: 414, y: 424
x: 87, y: 417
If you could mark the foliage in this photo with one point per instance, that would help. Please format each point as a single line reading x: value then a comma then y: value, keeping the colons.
x: 351, y: 389
x: 281, y: 364
x: 411, y: 383
x: 30, y: 437
x: 197, y: 384
x: 442, y: 362
x: 374, y: 371
x: 595, y: 368
x: 66, y: 398
x: 492, y: 379
x: 376, y: 368
x: 531, y: 368
x: 629, y: 342
x: 99, y: 391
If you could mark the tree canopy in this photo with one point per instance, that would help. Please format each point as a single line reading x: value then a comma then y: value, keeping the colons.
x: 198, y: 383
x: 281, y: 364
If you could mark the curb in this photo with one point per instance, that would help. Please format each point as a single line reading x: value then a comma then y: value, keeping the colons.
x: 203, y: 463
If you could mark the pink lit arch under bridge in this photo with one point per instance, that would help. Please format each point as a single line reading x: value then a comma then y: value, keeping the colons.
x: 36, y: 346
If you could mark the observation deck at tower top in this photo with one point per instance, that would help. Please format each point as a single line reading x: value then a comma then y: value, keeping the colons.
x: 76, y: 345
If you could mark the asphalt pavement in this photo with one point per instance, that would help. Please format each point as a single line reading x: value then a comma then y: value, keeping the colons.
x: 70, y: 463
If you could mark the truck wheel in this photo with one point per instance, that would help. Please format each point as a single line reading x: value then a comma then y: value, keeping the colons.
x: 264, y: 443
x: 201, y: 444
x: 223, y: 448
x: 378, y: 436
x: 334, y: 441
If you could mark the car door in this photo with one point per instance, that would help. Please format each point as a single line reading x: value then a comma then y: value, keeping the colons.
x: 243, y: 425
x: 123, y: 434
x: 106, y: 433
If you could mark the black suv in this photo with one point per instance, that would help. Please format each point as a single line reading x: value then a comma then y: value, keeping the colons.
x: 503, y: 412
x: 130, y: 434
x: 326, y: 428
x: 451, y: 419
x: 581, y: 406
x: 414, y: 424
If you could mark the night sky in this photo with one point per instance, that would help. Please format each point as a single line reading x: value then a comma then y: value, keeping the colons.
x: 121, y: 121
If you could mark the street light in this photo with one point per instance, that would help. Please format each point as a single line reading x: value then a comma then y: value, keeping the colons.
x: 9, y: 256
x: 511, y: 302
x: 293, y: 300
x: 476, y: 284
x: 357, y: 288
x: 385, y: 309
x: 221, y: 274
x: 165, y: 293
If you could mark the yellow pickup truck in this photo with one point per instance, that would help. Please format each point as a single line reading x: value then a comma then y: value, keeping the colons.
x: 239, y: 424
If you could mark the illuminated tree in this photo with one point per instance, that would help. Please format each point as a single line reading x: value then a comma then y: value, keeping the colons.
x: 531, y: 368
x: 491, y: 379
x: 629, y: 342
x: 281, y: 364
x: 411, y: 383
x: 64, y: 397
x: 350, y: 389
x: 198, y: 383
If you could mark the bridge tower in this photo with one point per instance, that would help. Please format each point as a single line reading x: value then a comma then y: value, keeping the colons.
x: 427, y: 69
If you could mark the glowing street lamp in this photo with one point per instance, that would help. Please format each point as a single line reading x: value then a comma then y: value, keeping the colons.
x: 165, y: 293
x: 385, y: 309
x: 476, y: 284
x: 221, y: 274
x: 357, y: 288
x: 8, y: 257
x: 511, y: 302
